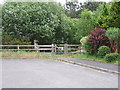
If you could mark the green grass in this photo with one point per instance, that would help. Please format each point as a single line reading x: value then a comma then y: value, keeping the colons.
x: 88, y: 57
x: 24, y: 54
x: 38, y: 55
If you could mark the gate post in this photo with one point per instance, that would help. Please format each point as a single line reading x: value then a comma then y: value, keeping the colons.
x: 18, y: 48
x: 55, y: 47
x: 52, y: 49
x: 35, y: 45
x: 65, y: 48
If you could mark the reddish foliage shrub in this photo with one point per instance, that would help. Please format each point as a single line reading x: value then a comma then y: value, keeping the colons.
x: 97, y: 38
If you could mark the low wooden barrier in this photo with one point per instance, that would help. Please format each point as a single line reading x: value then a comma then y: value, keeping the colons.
x: 53, y: 48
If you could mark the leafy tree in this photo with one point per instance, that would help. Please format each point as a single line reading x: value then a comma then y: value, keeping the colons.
x: 35, y: 20
x: 115, y: 14
x: 10, y: 40
x: 92, y: 6
x: 108, y: 15
x: 104, y: 18
x: 62, y: 30
x: 73, y: 25
x: 71, y: 9
x: 0, y: 24
x: 74, y: 8
x: 85, y: 24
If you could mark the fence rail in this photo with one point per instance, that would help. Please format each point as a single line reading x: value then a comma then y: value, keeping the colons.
x: 53, y: 48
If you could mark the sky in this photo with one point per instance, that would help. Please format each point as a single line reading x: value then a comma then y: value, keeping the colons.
x: 61, y: 1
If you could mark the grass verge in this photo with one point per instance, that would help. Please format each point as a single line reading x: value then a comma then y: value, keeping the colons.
x: 38, y: 55
x: 27, y: 55
x: 88, y: 57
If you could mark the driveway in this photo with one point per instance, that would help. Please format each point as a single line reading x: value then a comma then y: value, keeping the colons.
x: 34, y: 73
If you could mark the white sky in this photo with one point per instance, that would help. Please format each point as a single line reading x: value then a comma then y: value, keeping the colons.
x: 1, y: 1
x: 61, y: 1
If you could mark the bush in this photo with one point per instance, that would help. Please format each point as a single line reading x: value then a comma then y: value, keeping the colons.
x: 112, y: 57
x: 88, y: 48
x: 97, y: 38
x: 114, y: 36
x: 86, y: 45
x: 83, y: 41
x: 103, y: 50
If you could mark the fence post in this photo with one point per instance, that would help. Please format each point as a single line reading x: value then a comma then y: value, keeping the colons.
x: 65, y: 48
x: 55, y: 48
x: 18, y: 48
x: 36, y: 45
x: 52, y: 48
x: 80, y: 48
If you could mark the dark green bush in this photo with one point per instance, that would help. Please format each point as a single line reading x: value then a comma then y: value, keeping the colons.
x: 112, y: 57
x: 103, y: 50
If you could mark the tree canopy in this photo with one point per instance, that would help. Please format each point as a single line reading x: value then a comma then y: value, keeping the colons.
x: 49, y: 22
x: 42, y: 21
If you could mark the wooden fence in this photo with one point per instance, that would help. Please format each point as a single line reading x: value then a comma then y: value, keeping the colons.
x: 53, y: 48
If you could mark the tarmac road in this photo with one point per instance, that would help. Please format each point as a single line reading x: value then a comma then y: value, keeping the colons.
x: 34, y: 73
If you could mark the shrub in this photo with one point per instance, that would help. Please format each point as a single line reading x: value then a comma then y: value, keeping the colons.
x: 97, y: 38
x: 103, y: 50
x: 114, y: 36
x: 83, y: 41
x: 86, y: 45
x: 112, y: 57
x: 88, y: 48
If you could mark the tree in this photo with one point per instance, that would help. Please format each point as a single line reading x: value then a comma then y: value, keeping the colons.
x: 71, y: 9
x: 104, y: 18
x: 62, y: 30
x: 108, y: 15
x: 92, y: 6
x: 74, y: 8
x: 85, y: 24
x: 73, y: 27
x: 35, y: 20
x: 115, y: 14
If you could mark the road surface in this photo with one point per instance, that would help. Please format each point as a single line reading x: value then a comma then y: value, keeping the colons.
x: 33, y: 73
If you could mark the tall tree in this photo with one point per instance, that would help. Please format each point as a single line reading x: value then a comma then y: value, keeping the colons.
x: 74, y: 8
x: 71, y: 9
x: 86, y: 24
x: 103, y: 16
x: 115, y: 14
x: 92, y: 6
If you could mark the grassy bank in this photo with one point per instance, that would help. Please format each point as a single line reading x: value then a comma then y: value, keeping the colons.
x: 88, y: 57
x: 24, y: 54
